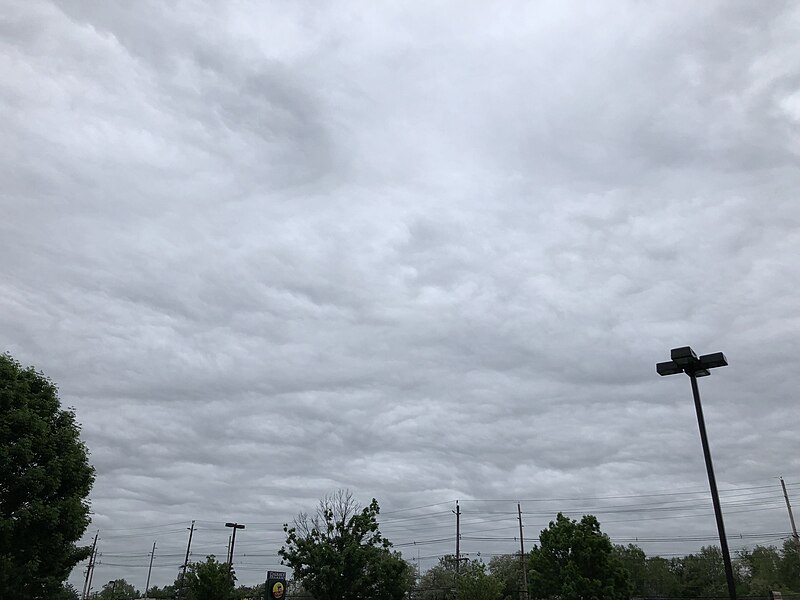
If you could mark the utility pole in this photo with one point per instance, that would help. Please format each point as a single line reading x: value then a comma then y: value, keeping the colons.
x: 458, y: 538
x: 91, y: 572
x: 89, y: 568
x: 149, y: 570
x: 789, y: 508
x: 186, y: 560
x: 523, y: 595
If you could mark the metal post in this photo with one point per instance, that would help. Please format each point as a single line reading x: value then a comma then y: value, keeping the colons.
x: 233, y: 543
x: 712, y: 482
x: 235, y: 526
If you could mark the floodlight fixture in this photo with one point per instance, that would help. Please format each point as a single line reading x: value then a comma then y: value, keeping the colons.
x: 684, y: 360
x: 683, y: 357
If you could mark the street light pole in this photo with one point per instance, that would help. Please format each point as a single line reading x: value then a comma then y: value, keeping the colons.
x: 684, y: 360
x: 712, y: 483
x: 235, y: 526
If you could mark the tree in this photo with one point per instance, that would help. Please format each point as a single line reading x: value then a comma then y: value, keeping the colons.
x: 473, y: 583
x: 576, y: 561
x: 45, y: 479
x: 340, y: 553
x: 209, y: 580
x: 790, y: 565
x: 634, y: 561
x: 507, y: 569
x: 760, y: 570
x: 167, y: 592
x: 703, y: 574
x: 469, y: 581
x: 438, y: 582
x: 662, y: 578
x: 118, y: 589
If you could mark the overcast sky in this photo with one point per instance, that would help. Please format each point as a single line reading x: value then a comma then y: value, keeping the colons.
x: 426, y: 251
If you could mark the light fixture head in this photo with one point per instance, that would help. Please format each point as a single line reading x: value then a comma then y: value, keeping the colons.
x: 668, y: 368
x: 683, y: 357
x: 712, y: 361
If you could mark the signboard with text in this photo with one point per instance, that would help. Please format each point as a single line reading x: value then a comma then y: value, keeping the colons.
x: 276, y: 585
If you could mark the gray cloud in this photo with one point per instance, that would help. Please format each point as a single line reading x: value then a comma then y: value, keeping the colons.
x: 267, y: 251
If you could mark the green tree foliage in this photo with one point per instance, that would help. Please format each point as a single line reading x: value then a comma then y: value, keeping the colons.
x: 790, y: 565
x: 650, y: 577
x: 474, y: 583
x: 470, y: 581
x: 759, y: 571
x: 576, y: 561
x: 45, y: 479
x: 256, y: 592
x: 438, y: 582
x: 634, y: 561
x: 340, y: 553
x: 507, y: 569
x: 118, y: 589
x: 209, y: 580
x: 703, y: 574
x: 166, y: 592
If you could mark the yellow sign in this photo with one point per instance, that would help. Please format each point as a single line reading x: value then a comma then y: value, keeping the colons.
x: 277, y: 590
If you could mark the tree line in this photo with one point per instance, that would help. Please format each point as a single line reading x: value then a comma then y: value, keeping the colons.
x: 339, y: 554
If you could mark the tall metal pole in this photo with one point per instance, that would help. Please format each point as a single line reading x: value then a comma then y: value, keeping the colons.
x: 789, y: 508
x: 233, y: 543
x: 712, y: 482
x: 524, y: 592
x: 235, y: 526
x: 149, y: 570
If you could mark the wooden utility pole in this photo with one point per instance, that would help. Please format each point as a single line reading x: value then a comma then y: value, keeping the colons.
x: 89, y: 568
x: 186, y: 560
x: 789, y: 508
x: 91, y: 572
x: 523, y: 594
x: 458, y: 538
x: 149, y: 570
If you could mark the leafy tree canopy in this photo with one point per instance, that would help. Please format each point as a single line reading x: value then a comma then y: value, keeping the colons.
x: 507, y: 569
x: 339, y: 553
x: 468, y: 580
x: 118, y: 589
x: 474, y: 583
x: 790, y: 565
x: 166, y: 592
x: 209, y: 580
x: 45, y: 479
x: 576, y: 561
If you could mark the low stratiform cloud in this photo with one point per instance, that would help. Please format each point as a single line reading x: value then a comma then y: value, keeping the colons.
x: 269, y: 250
